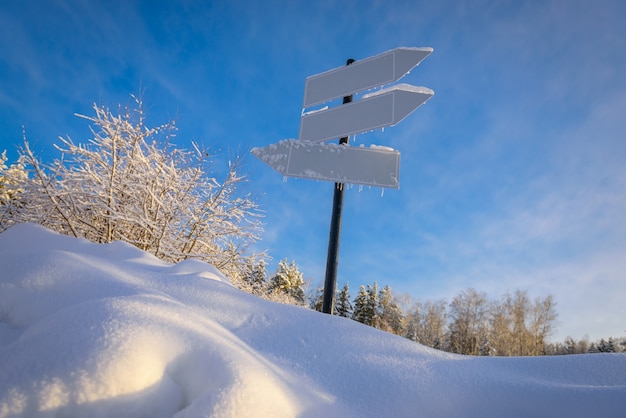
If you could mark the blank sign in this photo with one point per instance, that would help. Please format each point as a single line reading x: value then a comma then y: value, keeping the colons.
x: 377, y: 166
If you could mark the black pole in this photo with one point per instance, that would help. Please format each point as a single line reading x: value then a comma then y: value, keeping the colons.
x: 332, y: 259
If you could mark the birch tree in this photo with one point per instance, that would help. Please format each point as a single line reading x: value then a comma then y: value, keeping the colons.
x: 389, y: 312
x: 433, y: 323
x: 501, y: 328
x: 542, y: 320
x: 468, y: 326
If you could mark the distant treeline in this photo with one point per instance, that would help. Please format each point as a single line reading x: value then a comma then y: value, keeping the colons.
x: 514, y: 325
x: 472, y: 324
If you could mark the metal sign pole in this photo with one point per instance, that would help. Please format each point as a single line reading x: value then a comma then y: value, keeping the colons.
x: 332, y: 259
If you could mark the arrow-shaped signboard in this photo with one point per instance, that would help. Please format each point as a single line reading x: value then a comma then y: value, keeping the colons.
x: 310, y: 158
x: 378, y: 110
x: 375, y: 166
x: 376, y: 71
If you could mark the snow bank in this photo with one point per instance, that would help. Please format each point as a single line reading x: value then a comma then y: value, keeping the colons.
x: 109, y: 331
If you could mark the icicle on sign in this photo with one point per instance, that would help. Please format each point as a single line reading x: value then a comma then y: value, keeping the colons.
x: 309, y: 157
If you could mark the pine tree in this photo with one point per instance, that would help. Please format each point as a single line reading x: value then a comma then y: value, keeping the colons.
x: 255, y: 278
x: 359, y: 313
x: 610, y: 346
x: 288, y: 281
x: 606, y: 346
x: 316, y: 301
x: 593, y: 348
x: 414, y: 322
x: 372, y: 306
x: 343, y: 307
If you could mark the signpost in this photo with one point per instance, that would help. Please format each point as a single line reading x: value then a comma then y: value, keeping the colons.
x: 385, y: 108
x: 372, y: 72
x: 309, y: 157
x: 377, y: 166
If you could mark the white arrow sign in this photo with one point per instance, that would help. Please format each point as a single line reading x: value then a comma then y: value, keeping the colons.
x: 375, y: 166
x: 377, y: 110
x: 375, y: 71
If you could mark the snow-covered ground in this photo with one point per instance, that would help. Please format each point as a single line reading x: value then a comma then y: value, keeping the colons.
x: 90, y: 330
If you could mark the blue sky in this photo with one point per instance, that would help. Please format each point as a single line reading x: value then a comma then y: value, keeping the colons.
x: 513, y: 175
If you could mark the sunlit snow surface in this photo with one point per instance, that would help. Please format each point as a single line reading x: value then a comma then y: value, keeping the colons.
x: 90, y: 330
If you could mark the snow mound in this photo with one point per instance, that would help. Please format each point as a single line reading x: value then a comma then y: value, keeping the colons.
x: 109, y: 331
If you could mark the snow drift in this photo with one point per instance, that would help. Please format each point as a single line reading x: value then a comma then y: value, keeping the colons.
x: 92, y: 330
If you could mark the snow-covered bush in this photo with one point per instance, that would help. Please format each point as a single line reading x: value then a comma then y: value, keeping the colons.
x: 129, y: 183
x: 11, y: 178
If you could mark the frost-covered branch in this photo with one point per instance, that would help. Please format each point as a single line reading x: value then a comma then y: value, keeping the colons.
x: 128, y: 183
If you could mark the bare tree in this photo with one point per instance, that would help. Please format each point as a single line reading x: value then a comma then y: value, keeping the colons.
x: 542, y: 319
x: 468, y: 326
x: 433, y: 323
x: 500, y: 328
x: 519, y: 306
x: 519, y: 327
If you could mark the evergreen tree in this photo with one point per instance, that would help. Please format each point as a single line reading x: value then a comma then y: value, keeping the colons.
x: 343, y: 307
x: 372, y: 307
x: 606, y: 346
x: 570, y: 346
x: 256, y: 277
x: 288, y: 281
x: 486, y: 347
x: 359, y: 313
x: 316, y: 301
x: 593, y: 348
